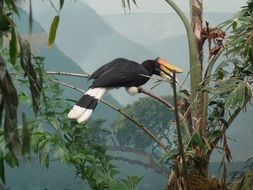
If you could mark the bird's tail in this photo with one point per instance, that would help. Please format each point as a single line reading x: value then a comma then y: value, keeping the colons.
x: 86, y: 105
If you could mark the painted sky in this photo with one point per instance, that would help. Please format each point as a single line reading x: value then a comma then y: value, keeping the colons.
x: 115, y: 6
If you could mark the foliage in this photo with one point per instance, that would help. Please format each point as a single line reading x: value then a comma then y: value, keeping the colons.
x: 216, y: 97
x: 44, y: 129
x: 52, y: 136
x: 240, y: 42
x: 215, y: 100
x: 231, y: 82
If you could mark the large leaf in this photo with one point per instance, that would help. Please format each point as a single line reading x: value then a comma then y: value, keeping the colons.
x: 11, y: 159
x: 26, y: 146
x: 26, y: 63
x: 5, y: 23
x: 10, y: 104
x: 12, y: 6
x: 13, y: 46
x: 241, y: 39
x: 53, y: 30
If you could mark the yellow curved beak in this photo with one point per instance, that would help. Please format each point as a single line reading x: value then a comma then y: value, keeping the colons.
x: 168, y: 68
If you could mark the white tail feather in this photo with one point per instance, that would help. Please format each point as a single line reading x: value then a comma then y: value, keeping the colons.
x: 76, y: 112
x: 87, y: 113
x: 100, y: 93
x: 93, y: 91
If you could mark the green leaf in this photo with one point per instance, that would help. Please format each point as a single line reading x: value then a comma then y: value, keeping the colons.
x: 10, y: 99
x: 26, y: 63
x: 61, y: 4
x: 238, y: 90
x: 197, y: 140
x: 234, y: 25
x: 59, y: 153
x: 53, y: 30
x: 26, y: 136
x: 5, y: 23
x: 11, y: 5
x: 11, y: 159
x: 44, y: 155
x: 118, y: 186
x: 13, y: 46
x: 246, y: 18
x: 10, y: 104
x: 132, y: 181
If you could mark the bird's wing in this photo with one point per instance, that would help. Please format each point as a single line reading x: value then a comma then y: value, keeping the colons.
x: 123, y: 73
x: 107, y: 67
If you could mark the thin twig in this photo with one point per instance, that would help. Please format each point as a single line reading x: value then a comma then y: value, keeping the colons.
x: 54, y: 7
x: 170, y: 106
x: 146, y: 130
x: 68, y: 74
x: 179, y: 134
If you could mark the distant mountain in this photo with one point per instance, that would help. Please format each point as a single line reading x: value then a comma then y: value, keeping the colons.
x: 175, y: 49
x: 148, y: 28
x: 56, y: 60
x: 163, y: 34
x: 84, y: 42
x: 58, y: 175
x: 85, y: 37
x: 88, y: 40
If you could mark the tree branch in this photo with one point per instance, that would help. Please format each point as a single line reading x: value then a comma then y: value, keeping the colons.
x: 179, y: 134
x: 68, y: 74
x: 170, y: 106
x: 146, y: 130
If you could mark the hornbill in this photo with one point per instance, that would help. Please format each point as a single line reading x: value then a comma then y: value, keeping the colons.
x: 119, y: 72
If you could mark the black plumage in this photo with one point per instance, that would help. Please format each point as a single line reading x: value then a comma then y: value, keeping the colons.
x: 119, y: 72
x: 123, y: 73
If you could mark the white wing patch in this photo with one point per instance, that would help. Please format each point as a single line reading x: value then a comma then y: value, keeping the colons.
x: 132, y: 90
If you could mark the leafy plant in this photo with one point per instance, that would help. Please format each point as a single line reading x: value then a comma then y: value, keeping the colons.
x: 44, y: 129
x: 216, y: 97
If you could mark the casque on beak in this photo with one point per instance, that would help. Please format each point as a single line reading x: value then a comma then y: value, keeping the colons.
x: 168, y: 68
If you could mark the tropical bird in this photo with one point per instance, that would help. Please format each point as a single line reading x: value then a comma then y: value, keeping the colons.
x: 119, y: 72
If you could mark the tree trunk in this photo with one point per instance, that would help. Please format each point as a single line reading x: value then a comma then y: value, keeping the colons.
x: 196, y: 13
